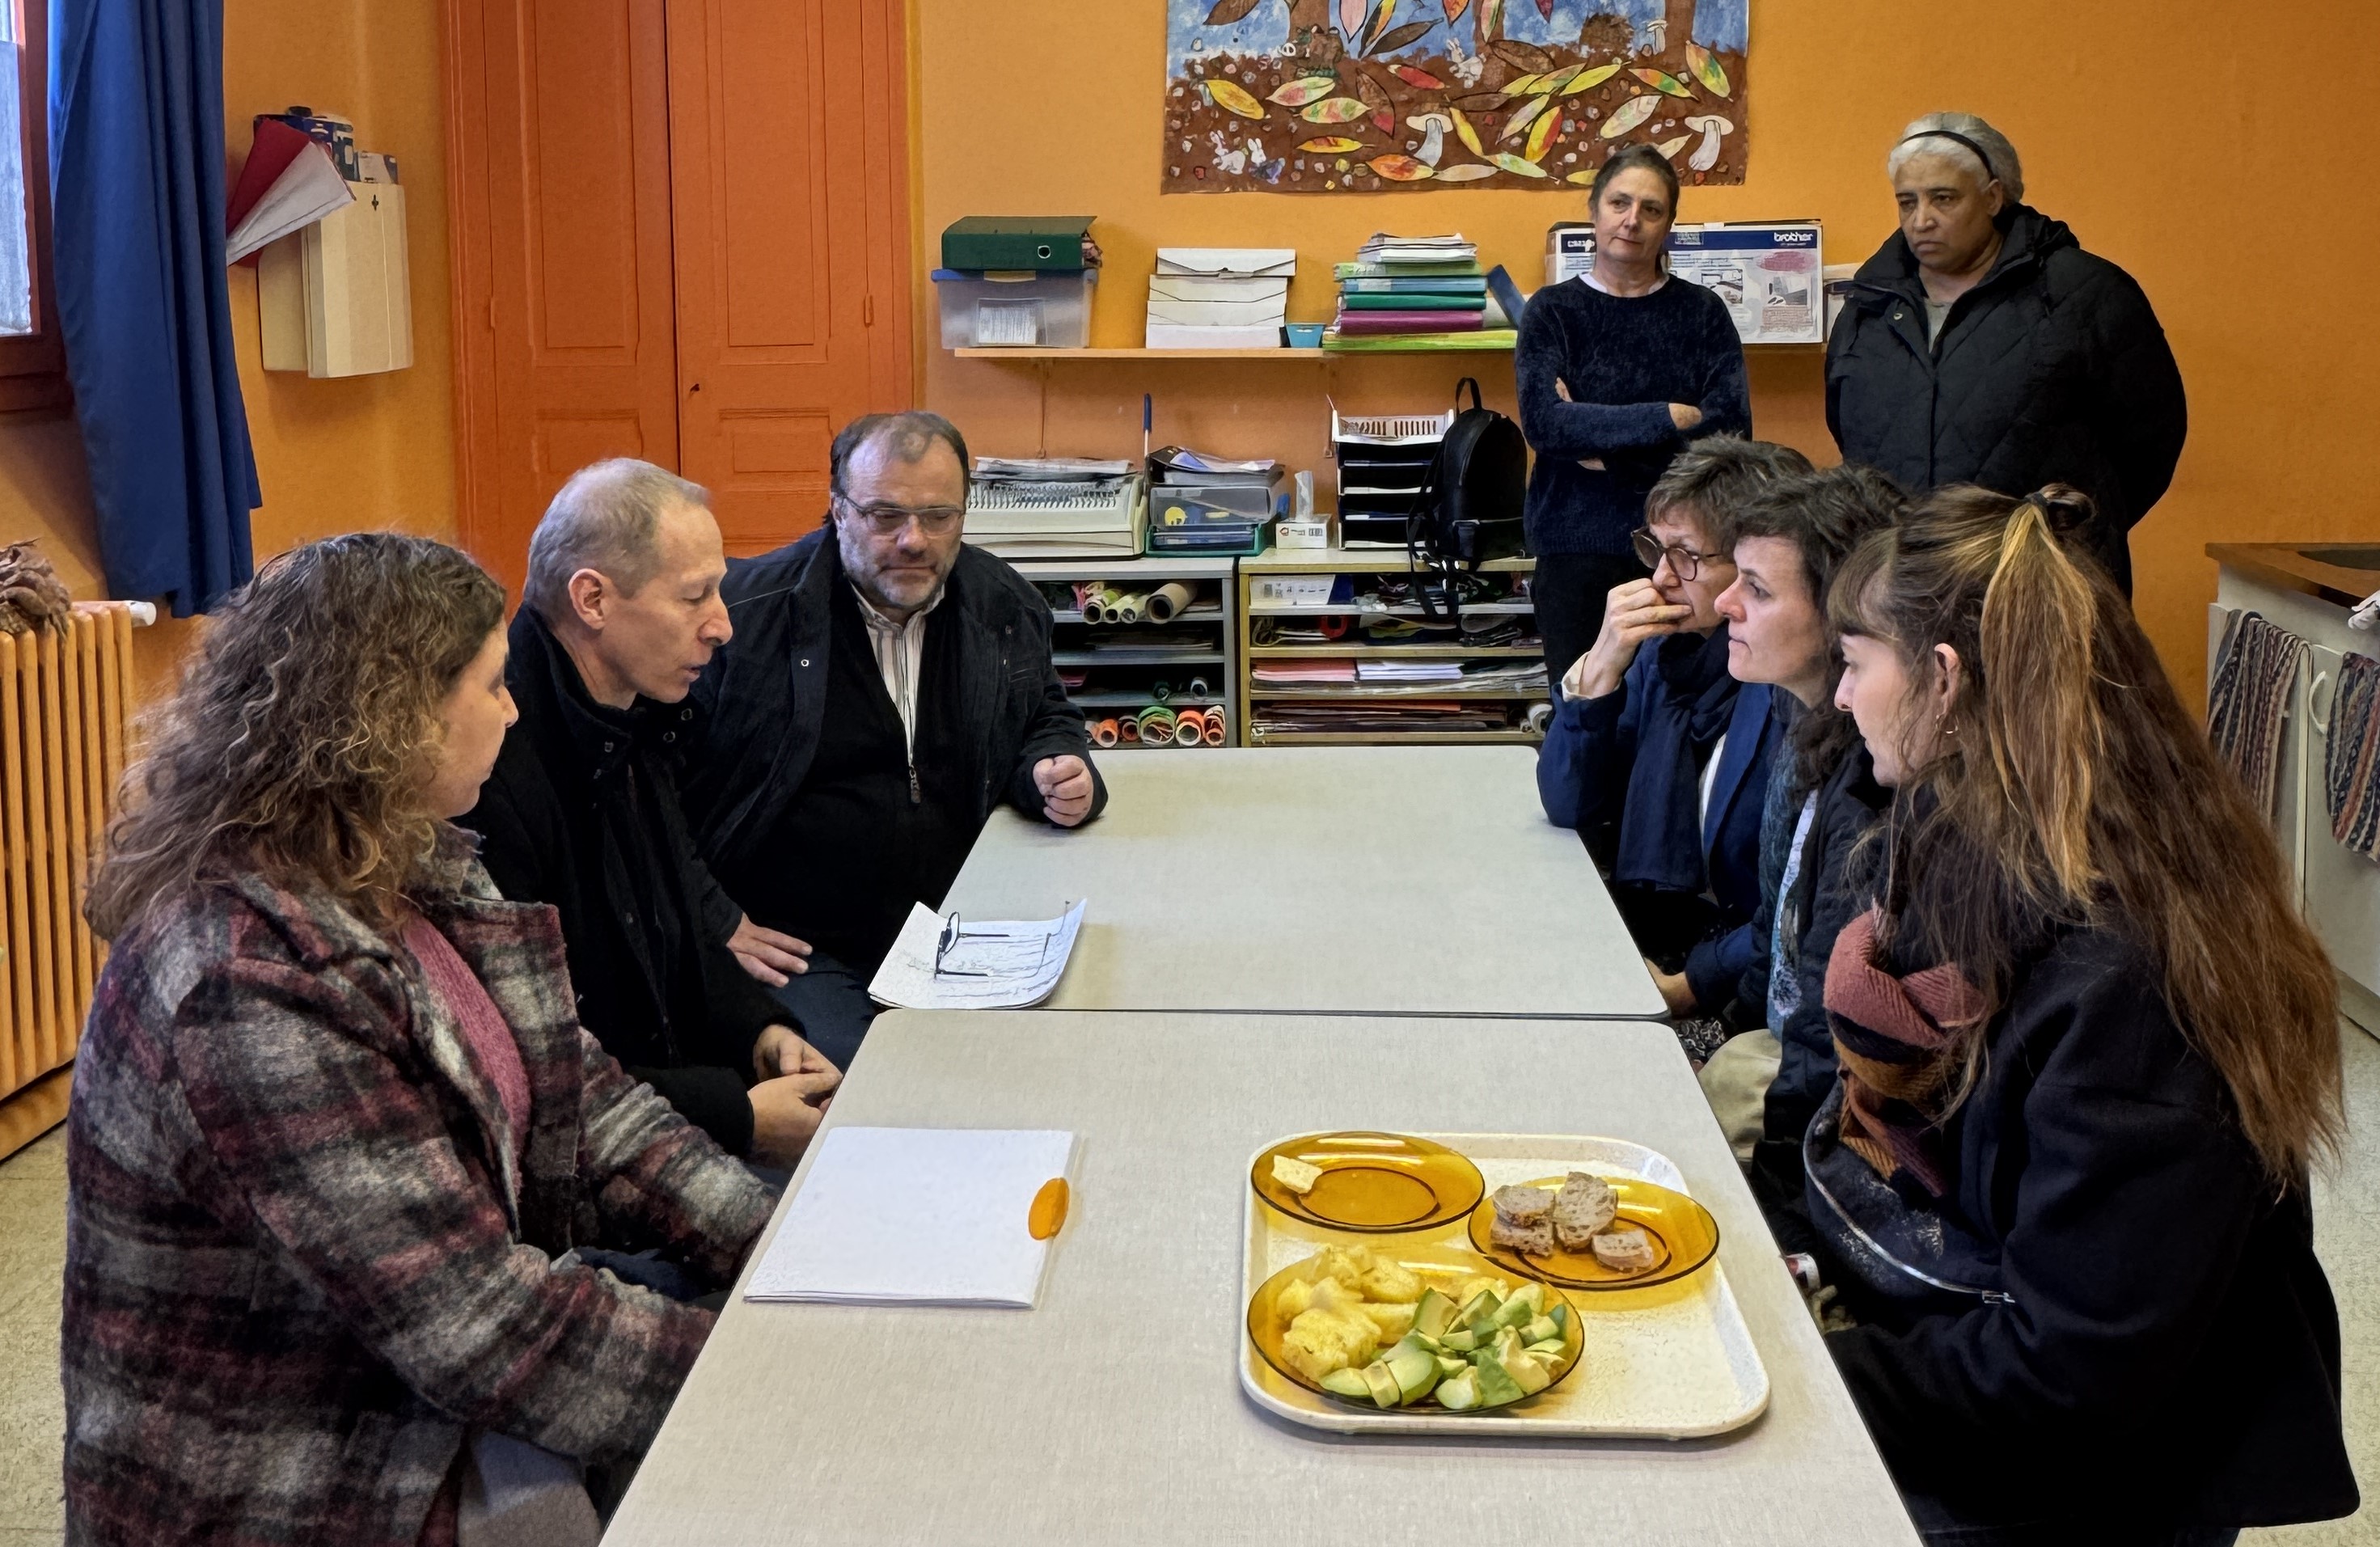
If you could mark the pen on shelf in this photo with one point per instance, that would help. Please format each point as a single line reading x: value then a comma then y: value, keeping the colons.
x: 1148, y: 420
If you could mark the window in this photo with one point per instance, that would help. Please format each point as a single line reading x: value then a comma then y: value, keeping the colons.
x: 33, y: 363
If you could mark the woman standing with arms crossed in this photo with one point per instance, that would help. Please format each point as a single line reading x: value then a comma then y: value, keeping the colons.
x: 1617, y: 371
x: 2089, y: 1052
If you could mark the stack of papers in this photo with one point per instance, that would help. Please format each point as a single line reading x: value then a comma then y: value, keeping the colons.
x: 1220, y: 298
x: 1409, y: 670
x: 1283, y: 673
x: 1417, y: 293
x: 1003, y: 965
x: 1448, y: 248
x: 916, y: 1216
x: 1057, y: 507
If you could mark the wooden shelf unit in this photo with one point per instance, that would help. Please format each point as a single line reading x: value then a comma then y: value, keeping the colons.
x: 1036, y: 353
x: 1334, y: 562
x: 1215, y: 616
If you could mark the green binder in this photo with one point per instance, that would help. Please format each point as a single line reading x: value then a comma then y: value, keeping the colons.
x: 1014, y: 242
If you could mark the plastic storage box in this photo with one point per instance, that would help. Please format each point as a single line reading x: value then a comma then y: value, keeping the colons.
x: 1048, y: 310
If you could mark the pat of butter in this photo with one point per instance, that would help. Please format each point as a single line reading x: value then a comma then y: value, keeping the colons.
x: 1295, y: 1174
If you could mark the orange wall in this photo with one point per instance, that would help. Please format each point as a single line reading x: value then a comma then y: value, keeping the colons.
x: 332, y: 456
x: 2147, y: 125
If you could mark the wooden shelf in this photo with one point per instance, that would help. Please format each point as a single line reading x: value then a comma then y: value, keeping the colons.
x: 1138, y: 700
x: 1508, y: 609
x: 1307, y: 355
x: 1091, y: 658
x: 1204, y: 612
x: 1516, y: 737
x: 1345, y: 692
x: 1409, y: 652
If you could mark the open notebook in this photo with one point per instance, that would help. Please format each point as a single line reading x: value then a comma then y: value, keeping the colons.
x: 916, y: 1216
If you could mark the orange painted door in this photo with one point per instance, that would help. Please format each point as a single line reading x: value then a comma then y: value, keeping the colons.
x: 788, y: 172
x: 566, y: 305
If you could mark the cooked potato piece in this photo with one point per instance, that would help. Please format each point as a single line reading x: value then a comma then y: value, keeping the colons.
x: 1322, y: 1341
x: 1393, y: 1320
x: 1390, y: 1281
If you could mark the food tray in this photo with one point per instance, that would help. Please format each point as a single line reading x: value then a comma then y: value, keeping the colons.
x: 1673, y: 1362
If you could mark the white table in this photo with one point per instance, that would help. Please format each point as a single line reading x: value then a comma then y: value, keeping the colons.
x: 1323, y: 880
x: 1113, y: 1413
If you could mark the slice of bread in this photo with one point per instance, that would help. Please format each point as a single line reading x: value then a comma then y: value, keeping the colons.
x: 1584, y: 1206
x: 1535, y: 1239
x: 1523, y: 1205
x: 1624, y: 1249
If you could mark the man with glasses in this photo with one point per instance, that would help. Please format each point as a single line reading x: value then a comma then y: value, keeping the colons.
x: 887, y: 686
x: 1655, y: 755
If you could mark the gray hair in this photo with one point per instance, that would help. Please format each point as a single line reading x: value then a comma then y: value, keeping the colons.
x: 908, y: 436
x: 603, y: 520
x: 1928, y: 136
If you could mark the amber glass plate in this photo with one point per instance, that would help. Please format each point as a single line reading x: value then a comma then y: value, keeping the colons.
x: 1373, y: 1182
x: 1684, y: 1238
x: 1442, y: 1268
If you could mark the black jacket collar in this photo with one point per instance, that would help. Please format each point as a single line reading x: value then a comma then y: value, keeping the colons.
x: 556, y: 709
x: 2031, y: 238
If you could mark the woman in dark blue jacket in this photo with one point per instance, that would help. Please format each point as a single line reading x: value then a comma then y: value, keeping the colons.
x: 2088, y: 1052
x: 1655, y: 755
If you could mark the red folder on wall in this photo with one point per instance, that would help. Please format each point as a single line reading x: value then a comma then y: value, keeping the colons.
x: 289, y: 183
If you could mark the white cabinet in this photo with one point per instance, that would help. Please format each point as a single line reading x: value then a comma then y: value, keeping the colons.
x: 335, y: 298
x: 2339, y: 888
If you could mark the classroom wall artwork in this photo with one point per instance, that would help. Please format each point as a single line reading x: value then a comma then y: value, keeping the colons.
x: 1327, y: 96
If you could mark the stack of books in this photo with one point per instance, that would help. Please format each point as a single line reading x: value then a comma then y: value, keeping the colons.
x: 1220, y: 298
x: 1416, y: 293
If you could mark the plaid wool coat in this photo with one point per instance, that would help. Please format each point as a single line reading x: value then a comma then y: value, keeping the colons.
x: 302, y: 1256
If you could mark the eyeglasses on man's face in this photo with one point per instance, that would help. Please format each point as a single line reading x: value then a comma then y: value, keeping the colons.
x: 1684, y: 563
x: 890, y: 520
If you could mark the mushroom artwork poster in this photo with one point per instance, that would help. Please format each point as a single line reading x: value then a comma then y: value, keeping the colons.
x: 1327, y: 96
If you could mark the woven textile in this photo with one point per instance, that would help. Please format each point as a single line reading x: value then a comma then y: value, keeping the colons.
x: 2347, y: 773
x: 2255, y: 671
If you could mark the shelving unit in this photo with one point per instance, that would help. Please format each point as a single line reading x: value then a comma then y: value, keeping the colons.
x: 1123, y: 674
x: 1366, y: 567
x: 1308, y: 355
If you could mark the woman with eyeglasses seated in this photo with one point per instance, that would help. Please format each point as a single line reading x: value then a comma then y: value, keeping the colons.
x: 886, y: 687
x: 2089, y: 1051
x: 1657, y: 755
x: 336, y: 1128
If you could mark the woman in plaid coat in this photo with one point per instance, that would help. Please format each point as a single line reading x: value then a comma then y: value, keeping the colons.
x: 335, y: 1128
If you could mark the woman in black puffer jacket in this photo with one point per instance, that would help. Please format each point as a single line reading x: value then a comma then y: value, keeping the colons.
x: 1981, y: 345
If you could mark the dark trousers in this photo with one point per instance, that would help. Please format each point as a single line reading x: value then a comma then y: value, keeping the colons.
x: 831, y: 1006
x: 1568, y: 590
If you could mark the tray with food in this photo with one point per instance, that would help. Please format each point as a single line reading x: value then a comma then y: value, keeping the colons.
x: 1574, y: 1293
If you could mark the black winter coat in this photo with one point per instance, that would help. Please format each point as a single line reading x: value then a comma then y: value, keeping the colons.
x: 2170, y: 1355
x: 766, y: 690
x: 2052, y: 370
x: 555, y: 822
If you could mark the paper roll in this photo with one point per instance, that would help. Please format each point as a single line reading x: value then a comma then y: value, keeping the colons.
x: 1128, y: 732
x: 1162, y: 690
x: 1127, y: 608
x: 1197, y: 689
x: 1541, y: 717
x: 1217, y: 732
x: 1189, y: 728
x: 1156, y: 724
x: 1168, y: 599
x: 1104, y: 733
x: 1334, y: 628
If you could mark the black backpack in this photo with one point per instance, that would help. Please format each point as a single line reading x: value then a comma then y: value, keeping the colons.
x: 1469, y: 509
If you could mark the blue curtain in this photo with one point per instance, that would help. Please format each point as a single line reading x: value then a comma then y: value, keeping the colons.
x: 136, y: 188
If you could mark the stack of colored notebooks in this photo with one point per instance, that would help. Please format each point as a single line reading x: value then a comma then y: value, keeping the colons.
x: 1416, y: 293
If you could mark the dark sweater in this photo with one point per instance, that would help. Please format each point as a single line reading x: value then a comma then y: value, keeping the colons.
x: 1624, y: 361
x: 2169, y: 1353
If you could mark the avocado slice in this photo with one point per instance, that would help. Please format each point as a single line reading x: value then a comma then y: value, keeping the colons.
x: 1450, y: 1367
x: 1478, y: 1313
x: 1495, y: 1384
x: 1414, y: 1369
x: 1535, y: 1294
x: 1551, y: 1349
x: 1460, y: 1393
x: 1528, y: 1372
x: 1560, y: 1318
x: 1540, y: 1330
x: 1433, y: 1313
x: 1461, y: 1342
x: 1384, y: 1390
x: 1348, y: 1383
x: 1515, y: 1312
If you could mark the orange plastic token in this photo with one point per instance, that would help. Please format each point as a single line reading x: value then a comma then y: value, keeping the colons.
x: 1048, y: 1210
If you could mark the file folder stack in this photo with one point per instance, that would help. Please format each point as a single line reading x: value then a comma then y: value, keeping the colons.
x: 1416, y: 293
x: 1384, y: 460
x: 1220, y: 298
x: 1057, y: 508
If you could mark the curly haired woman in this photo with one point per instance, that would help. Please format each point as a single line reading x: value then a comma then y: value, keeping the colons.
x: 2088, y: 1050
x: 335, y: 1128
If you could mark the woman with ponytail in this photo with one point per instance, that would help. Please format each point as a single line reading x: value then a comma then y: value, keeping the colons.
x: 2089, y: 1053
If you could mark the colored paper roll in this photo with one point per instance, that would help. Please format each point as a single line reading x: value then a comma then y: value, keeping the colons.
x: 1156, y: 724
x: 1168, y: 599
x: 1197, y: 689
x: 1189, y: 728
x: 1084, y: 592
x: 1128, y: 732
x: 1127, y: 608
x: 1334, y: 628
x: 1162, y: 690
x: 1104, y: 733
x: 1216, y: 732
x: 1541, y: 717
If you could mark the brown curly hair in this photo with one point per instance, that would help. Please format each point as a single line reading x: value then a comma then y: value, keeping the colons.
x: 302, y: 738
